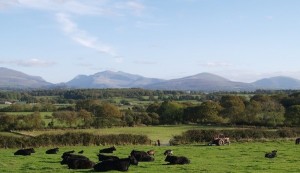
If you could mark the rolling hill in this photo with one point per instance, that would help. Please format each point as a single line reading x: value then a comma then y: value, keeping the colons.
x: 12, y: 79
x: 278, y: 82
x: 15, y: 79
x: 202, y: 82
x: 110, y: 79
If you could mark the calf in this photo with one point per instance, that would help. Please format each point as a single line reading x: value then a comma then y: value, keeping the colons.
x: 119, y: 165
x: 25, y: 152
x: 177, y: 160
x: 52, y: 151
x: 297, y: 141
x: 108, y: 150
x: 271, y: 155
x: 141, y: 156
x: 168, y: 152
x: 102, y: 157
x: 79, y: 163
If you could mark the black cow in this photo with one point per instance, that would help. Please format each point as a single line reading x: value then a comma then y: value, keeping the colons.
x: 119, y: 165
x: 79, y: 163
x: 168, y: 153
x: 177, y: 160
x: 69, y: 156
x: 297, y: 141
x: 102, y: 157
x: 141, y: 156
x: 52, y: 151
x: 108, y: 150
x: 271, y: 155
x: 25, y: 152
x: 80, y: 152
x: 68, y: 152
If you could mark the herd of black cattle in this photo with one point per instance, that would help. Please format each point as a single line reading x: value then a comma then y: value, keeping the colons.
x: 110, y: 162
x: 107, y: 162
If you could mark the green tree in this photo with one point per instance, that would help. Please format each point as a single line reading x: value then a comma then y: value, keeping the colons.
x: 292, y: 115
x: 234, y: 108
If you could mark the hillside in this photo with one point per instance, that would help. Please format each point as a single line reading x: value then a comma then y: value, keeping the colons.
x: 110, y: 79
x: 202, y: 82
x: 15, y: 79
x: 279, y: 82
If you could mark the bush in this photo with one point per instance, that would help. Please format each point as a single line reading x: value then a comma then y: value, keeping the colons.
x: 200, y: 136
x: 71, y: 139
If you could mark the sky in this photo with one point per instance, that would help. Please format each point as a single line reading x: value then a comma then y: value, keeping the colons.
x: 241, y: 40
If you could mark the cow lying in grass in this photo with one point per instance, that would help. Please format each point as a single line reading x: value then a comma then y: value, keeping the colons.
x: 271, y: 155
x: 52, y: 151
x: 102, y: 157
x: 25, y: 152
x: 177, y: 160
x: 141, y: 156
x: 119, y: 165
x: 76, y: 161
x: 108, y: 150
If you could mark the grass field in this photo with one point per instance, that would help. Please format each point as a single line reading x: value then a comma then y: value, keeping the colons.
x: 163, y: 133
x: 236, y: 158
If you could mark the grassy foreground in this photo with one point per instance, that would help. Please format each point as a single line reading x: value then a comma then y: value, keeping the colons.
x: 238, y: 157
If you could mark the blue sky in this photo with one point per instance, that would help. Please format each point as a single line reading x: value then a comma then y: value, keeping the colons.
x: 242, y: 40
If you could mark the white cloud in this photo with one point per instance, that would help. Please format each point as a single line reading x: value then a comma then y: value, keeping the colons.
x: 81, y: 37
x: 32, y: 63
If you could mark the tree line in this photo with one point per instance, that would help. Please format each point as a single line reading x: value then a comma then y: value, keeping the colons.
x: 263, y: 109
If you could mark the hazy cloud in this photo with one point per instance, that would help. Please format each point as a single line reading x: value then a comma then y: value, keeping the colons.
x: 81, y: 37
x: 118, y: 59
x: 269, y: 17
x: 133, y: 6
x: 32, y: 63
x: 145, y: 62
x: 215, y: 64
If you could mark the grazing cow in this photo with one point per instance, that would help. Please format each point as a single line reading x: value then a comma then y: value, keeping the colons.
x: 271, y: 155
x: 168, y: 153
x: 52, y: 151
x: 177, y: 160
x: 297, y: 141
x: 80, y: 152
x: 141, y: 156
x: 102, y: 157
x: 70, y: 156
x: 119, y: 165
x: 24, y: 152
x: 151, y: 152
x: 79, y: 163
x: 108, y: 150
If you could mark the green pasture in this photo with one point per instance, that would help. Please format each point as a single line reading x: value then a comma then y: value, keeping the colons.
x: 163, y: 133
x: 235, y: 158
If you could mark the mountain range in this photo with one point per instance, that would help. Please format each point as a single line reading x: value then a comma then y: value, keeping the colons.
x: 13, y: 79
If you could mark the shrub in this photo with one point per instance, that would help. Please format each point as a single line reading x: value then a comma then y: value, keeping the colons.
x: 71, y: 139
x: 200, y: 136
